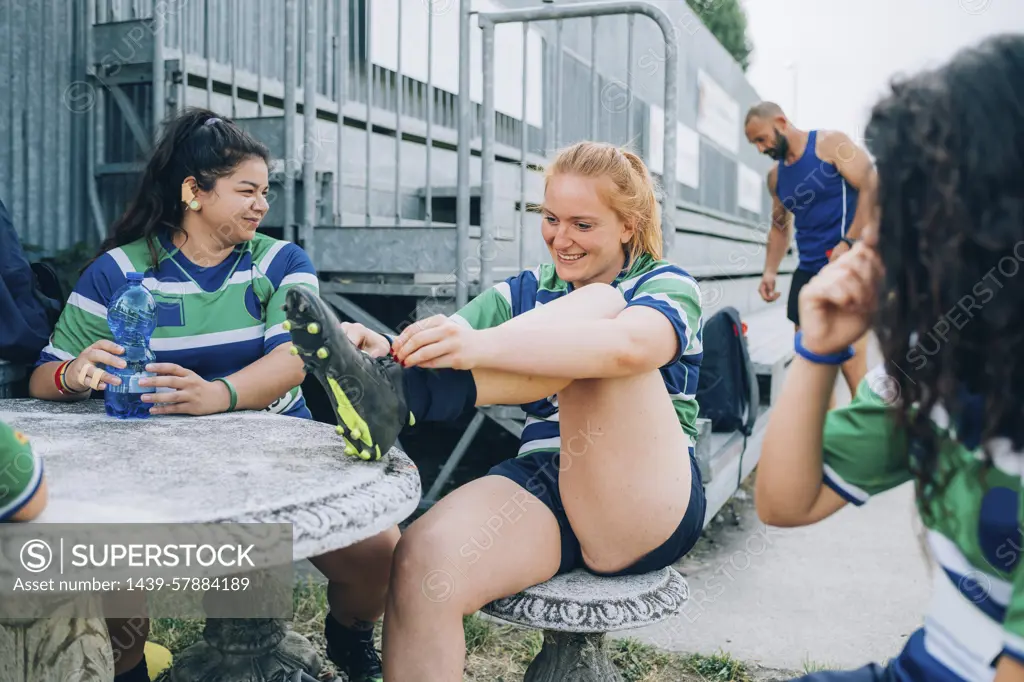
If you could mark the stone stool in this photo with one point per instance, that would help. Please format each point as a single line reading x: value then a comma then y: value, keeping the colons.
x: 576, y: 609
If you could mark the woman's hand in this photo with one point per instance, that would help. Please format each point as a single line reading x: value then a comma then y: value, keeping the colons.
x: 438, y: 342
x: 84, y: 371
x: 192, y: 395
x: 837, y: 305
x: 374, y: 344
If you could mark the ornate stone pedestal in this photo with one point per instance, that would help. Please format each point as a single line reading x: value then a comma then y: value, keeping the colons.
x: 62, y: 648
x: 572, y: 657
x: 575, y: 611
x: 245, y: 650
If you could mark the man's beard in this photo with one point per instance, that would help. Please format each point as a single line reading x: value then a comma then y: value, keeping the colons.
x: 780, y: 149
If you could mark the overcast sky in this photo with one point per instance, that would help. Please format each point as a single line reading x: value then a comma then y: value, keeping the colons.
x: 844, y: 52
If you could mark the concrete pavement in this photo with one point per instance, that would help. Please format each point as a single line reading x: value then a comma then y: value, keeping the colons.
x: 842, y: 593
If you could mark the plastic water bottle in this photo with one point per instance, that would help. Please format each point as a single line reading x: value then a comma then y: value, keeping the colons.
x: 131, y: 317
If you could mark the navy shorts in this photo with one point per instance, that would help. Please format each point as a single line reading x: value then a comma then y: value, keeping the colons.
x: 537, y: 473
x: 801, y: 278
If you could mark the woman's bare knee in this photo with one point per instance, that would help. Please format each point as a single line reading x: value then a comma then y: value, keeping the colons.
x: 422, y: 573
x: 486, y: 540
x: 602, y: 299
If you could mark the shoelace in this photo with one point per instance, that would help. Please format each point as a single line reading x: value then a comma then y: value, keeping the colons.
x: 367, y: 659
x: 382, y: 371
x: 360, y: 658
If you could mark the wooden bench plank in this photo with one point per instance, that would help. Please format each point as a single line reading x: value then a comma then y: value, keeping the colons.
x: 770, y: 344
x: 769, y: 335
x: 733, y: 464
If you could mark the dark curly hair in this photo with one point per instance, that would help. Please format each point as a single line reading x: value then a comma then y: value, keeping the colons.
x: 949, y: 149
x: 196, y: 142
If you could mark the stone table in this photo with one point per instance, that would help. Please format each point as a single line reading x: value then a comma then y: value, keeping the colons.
x: 245, y: 467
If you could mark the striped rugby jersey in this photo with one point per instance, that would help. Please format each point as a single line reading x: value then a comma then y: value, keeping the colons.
x: 648, y: 282
x: 21, y: 472
x: 214, y: 321
x: 977, y: 607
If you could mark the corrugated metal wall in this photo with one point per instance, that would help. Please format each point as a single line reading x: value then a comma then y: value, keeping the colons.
x: 43, y: 98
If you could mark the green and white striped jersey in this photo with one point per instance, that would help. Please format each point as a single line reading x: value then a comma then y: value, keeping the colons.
x: 214, y: 321
x: 977, y: 611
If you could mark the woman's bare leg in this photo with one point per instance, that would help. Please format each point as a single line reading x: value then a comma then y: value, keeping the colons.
x: 625, y: 467
x: 625, y: 482
x: 495, y: 387
x: 592, y: 302
x: 358, y: 579
x: 486, y: 540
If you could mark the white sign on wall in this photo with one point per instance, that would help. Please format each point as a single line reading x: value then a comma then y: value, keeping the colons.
x: 687, y: 149
x: 749, y: 186
x: 508, y: 52
x: 718, y: 114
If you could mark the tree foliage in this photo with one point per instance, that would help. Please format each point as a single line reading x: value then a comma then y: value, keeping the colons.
x: 728, y: 23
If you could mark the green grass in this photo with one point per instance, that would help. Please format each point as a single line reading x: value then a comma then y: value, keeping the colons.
x: 637, y: 661
x: 494, y: 653
x: 720, y: 667
x: 176, y: 634
x: 816, y: 666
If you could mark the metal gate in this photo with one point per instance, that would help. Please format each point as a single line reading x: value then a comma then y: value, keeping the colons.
x: 488, y: 21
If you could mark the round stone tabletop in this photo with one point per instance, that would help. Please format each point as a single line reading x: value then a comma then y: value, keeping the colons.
x: 244, y: 467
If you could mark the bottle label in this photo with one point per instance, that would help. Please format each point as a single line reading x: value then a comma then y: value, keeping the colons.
x: 133, y: 384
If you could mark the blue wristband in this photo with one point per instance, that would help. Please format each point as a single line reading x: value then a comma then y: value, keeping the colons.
x: 833, y: 359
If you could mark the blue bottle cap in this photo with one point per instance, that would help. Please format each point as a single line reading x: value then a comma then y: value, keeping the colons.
x: 134, y: 276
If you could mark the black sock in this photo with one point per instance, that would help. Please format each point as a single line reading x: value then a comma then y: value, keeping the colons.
x: 343, y: 637
x: 139, y: 673
x: 435, y: 395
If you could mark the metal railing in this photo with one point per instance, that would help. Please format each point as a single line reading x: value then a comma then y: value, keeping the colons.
x: 281, y: 57
x: 488, y: 21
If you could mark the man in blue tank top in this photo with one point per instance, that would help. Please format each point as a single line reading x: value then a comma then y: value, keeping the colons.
x: 817, y: 178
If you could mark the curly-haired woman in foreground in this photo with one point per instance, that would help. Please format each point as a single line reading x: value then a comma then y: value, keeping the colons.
x: 946, y: 410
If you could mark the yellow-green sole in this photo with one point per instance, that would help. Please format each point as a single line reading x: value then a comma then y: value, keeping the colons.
x: 352, y: 420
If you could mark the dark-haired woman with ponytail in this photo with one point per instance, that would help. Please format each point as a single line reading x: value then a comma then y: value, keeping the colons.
x: 220, y: 342
x: 935, y: 277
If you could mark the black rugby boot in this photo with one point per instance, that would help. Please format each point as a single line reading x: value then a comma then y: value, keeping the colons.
x: 366, y: 393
